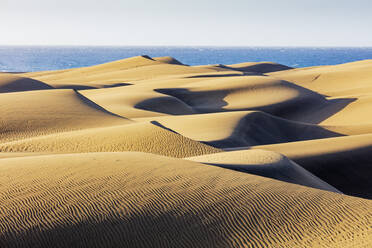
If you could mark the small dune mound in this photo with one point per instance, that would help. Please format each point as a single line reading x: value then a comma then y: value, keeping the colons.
x: 267, y: 164
x: 260, y: 67
x: 124, y: 64
x: 135, y: 102
x: 12, y: 83
x: 168, y: 60
x: 144, y: 200
x: 343, y: 162
x: 143, y: 137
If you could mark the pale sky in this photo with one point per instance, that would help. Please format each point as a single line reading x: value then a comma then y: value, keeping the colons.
x: 186, y: 22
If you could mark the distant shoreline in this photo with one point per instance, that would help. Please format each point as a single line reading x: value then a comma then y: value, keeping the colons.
x: 42, y: 58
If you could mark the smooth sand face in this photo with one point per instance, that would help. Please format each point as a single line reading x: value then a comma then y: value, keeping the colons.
x: 350, y: 81
x: 149, y: 152
x: 35, y: 113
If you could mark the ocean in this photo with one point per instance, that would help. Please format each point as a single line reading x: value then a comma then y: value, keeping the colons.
x: 37, y: 58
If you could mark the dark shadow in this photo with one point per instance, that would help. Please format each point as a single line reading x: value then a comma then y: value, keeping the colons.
x: 86, y: 87
x: 202, y: 102
x: 165, y: 104
x: 76, y: 87
x: 147, y: 57
x: 170, y: 224
x: 215, y: 75
x: 349, y: 171
x: 116, y: 85
x: 308, y: 106
x: 316, y: 77
x: 168, y: 60
x: 92, y: 104
x: 285, y: 171
x: 259, y: 128
x: 318, y: 113
x: 260, y: 68
x: 156, y: 123
x: 225, y: 75
x: 20, y: 84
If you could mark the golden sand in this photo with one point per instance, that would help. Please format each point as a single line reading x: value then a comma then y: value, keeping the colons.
x: 149, y: 152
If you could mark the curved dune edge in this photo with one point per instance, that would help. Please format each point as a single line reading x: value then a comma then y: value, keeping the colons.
x: 259, y: 67
x: 242, y: 128
x: 143, y: 137
x: 343, y: 162
x: 265, y: 163
x: 12, y: 83
x: 109, y: 74
x: 142, y: 200
x: 41, y: 112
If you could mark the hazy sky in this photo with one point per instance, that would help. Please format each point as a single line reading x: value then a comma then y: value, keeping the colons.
x: 187, y: 22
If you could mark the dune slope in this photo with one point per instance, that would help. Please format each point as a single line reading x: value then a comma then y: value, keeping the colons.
x: 242, y: 128
x: 142, y: 200
x: 33, y: 113
x: 12, y: 83
x: 267, y: 164
x: 343, y: 162
x: 144, y: 137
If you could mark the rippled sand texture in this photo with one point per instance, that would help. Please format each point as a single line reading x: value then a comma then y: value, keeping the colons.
x: 149, y: 152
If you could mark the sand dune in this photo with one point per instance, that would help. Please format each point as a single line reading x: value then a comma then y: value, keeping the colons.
x: 144, y: 137
x: 143, y: 200
x: 168, y: 60
x: 267, y: 164
x: 137, y: 101
x: 344, y: 162
x: 19, y: 154
x: 12, y: 83
x: 331, y: 80
x: 350, y: 81
x: 33, y: 113
x: 242, y: 93
x: 249, y: 68
x: 150, y: 152
x: 242, y: 128
x: 114, y: 73
x: 355, y: 112
x: 124, y: 64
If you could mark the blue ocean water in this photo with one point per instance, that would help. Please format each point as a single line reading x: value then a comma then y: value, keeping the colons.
x: 36, y: 58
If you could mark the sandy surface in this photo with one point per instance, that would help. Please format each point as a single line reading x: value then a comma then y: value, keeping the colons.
x: 149, y: 152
